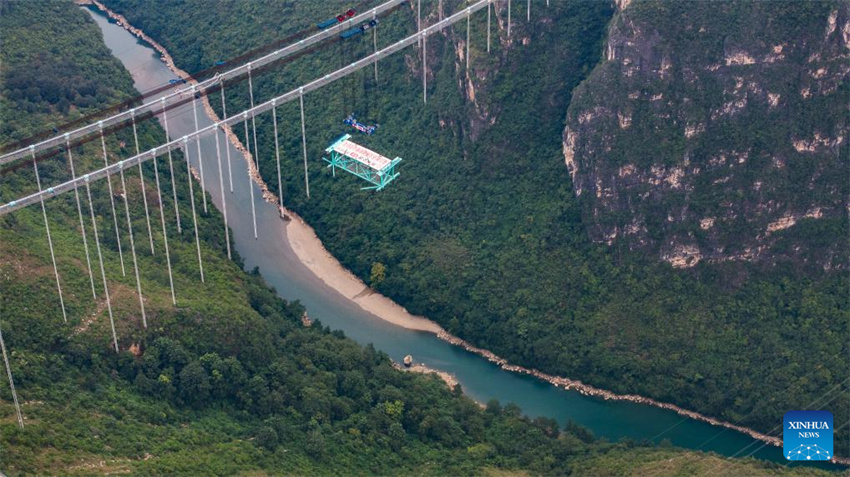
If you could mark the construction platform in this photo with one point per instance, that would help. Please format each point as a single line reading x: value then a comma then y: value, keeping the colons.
x: 363, y: 163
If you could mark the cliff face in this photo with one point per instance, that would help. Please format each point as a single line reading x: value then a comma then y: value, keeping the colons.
x: 717, y: 131
x: 475, y: 83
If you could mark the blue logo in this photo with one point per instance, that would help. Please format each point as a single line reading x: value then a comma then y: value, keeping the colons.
x: 807, y: 435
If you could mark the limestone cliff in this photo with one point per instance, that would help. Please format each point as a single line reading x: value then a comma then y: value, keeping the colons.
x: 717, y: 131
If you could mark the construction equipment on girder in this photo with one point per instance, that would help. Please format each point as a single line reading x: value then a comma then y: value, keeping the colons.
x: 363, y: 163
x: 376, y: 169
x: 231, y: 121
x: 352, y: 121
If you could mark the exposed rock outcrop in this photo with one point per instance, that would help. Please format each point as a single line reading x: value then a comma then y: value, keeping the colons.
x: 710, y: 131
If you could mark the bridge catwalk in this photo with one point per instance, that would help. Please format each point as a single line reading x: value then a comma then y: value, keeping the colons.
x: 235, y: 119
x: 184, y: 96
x: 236, y: 72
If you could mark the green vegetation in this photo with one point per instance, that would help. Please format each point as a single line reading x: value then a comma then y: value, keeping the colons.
x: 485, y: 235
x: 59, y: 80
x: 229, y: 381
x: 378, y: 275
x: 487, y: 238
x: 733, y: 106
x: 660, y: 462
x: 226, y: 382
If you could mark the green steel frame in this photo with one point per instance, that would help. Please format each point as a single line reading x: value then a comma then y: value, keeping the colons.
x: 380, y: 178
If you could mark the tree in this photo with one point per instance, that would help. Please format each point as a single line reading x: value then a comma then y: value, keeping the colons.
x: 194, y: 383
x: 393, y: 409
x: 379, y: 273
x: 315, y: 445
x: 267, y: 438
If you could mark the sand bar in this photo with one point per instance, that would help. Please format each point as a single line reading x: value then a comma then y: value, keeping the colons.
x: 312, y: 253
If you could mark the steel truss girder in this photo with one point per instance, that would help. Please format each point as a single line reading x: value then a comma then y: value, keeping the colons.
x: 237, y: 118
x: 380, y: 179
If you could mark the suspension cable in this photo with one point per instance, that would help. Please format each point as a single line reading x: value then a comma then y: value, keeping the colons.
x: 375, y: 42
x: 80, y: 213
x: 258, y: 109
x: 132, y: 245
x: 468, y: 16
x: 164, y: 232
x: 142, y: 181
x: 509, y: 18
x: 171, y: 169
x: 102, y: 270
x: 250, y: 181
x: 488, y: 26
x: 221, y: 186
x: 112, y: 203
x: 192, y: 196
x: 11, y: 381
x: 424, y: 69
x: 304, y: 141
x: 253, y: 121
x: 237, y: 72
x: 200, y: 156
x: 256, y: 145
x: 49, y: 238
x: 277, y: 158
x: 227, y: 147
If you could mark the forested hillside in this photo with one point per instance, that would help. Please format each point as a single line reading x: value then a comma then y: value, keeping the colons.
x: 227, y: 382
x: 483, y: 232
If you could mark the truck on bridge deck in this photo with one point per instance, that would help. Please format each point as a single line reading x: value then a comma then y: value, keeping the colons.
x: 337, y: 19
x: 361, y: 29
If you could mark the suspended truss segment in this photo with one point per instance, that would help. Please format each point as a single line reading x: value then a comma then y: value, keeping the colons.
x: 297, y: 93
x: 363, y: 163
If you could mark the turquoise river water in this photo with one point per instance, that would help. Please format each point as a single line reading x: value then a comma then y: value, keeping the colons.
x: 479, y: 378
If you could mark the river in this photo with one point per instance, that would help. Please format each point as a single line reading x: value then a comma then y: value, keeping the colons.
x: 480, y: 379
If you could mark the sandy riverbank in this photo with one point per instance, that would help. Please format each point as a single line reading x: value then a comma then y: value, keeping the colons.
x: 301, y: 237
x: 447, y: 378
x: 312, y: 253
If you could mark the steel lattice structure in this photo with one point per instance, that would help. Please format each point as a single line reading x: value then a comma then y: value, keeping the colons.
x: 363, y: 163
x: 233, y: 120
x: 371, y: 166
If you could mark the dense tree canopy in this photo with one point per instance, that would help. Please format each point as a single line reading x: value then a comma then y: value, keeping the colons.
x: 229, y: 381
x: 483, y: 233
